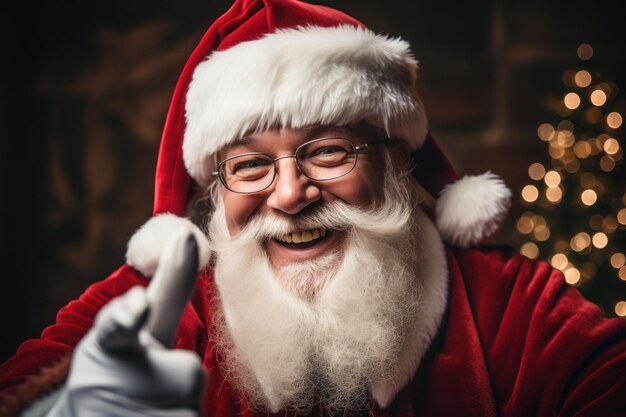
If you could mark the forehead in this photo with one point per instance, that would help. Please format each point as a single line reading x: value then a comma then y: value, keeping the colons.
x: 287, y: 139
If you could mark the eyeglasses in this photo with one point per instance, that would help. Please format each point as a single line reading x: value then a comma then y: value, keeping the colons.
x: 323, y: 159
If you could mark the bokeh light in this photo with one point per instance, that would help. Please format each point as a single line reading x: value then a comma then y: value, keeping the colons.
x: 580, y: 241
x: 607, y: 164
x: 536, y: 171
x: 582, y: 78
x: 584, y: 51
x: 530, y: 193
x: 552, y: 179
x: 597, y: 97
x: 530, y: 250
x: 614, y: 120
x: 621, y: 216
x: 620, y: 308
x: 582, y: 149
x: 541, y: 233
x: 571, y: 101
x: 559, y: 261
x: 600, y: 240
x: 554, y: 194
x: 545, y: 132
x: 572, y: 276
x: 588, y: 197
x: 611, y: 146
x: 618, y: 260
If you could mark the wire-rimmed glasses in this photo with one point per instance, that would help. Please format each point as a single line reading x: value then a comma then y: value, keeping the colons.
x: 321, y: 159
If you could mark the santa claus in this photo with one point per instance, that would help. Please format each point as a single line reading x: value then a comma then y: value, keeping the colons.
x: 341, y: 264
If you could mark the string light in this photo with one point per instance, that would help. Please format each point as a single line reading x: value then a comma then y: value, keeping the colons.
x: 541, y: 233
x: 554, y: 194
x: 588, y: 197
x: 618, y: 260
x: 552, y: 179
x: 597, y: 97
x: 585, y: 51
x: 525, y: 225
x: 582, y: 78
x: 600, y: 240
x: 580, y: 241
x: 536, y: 171
x: 582, y: 149
x: 530, y: 250
x: 611, y: 146
x: 565, y: 138
x: 614, y: 120
x: 584, y: 145
x: 572, y: 276
x: 559, y: 261
x: 607, y: 164
x: 530, y: 193
x: 545, y: 132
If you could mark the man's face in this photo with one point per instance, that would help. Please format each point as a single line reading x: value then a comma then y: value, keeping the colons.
x: 292, y: 192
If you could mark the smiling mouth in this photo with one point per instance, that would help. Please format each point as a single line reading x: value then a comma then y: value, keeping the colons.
x: 302, y: 239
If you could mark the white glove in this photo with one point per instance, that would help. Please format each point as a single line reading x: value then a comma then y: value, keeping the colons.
x: 122, y: 367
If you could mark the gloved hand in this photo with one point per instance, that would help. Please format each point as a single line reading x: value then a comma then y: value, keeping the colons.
x: 123, y: 366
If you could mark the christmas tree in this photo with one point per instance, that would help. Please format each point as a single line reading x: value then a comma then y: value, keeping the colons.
x: 575, y: 201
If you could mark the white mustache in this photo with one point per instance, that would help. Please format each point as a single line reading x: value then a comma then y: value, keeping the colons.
x: 330, y: 216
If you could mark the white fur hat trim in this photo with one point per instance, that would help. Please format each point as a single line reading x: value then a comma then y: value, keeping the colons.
x: 300, y: 77
x: 147, y: 244
x: 472, y: 209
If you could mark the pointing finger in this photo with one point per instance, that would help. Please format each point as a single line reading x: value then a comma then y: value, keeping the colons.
x: 171, y: 287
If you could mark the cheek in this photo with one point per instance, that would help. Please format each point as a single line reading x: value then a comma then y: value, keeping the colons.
x: 239, y: 208
x: 359, y: 188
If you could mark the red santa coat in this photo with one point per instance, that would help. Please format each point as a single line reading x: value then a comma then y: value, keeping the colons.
x: 516, y: 340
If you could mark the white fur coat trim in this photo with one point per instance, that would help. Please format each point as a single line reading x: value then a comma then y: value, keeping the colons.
x: 472, y: 209
x: 147, y: 244
x: 301, y: 77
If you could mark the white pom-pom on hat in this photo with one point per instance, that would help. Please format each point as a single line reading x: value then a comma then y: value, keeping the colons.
x: 147, y: 244
x: 472, y: 209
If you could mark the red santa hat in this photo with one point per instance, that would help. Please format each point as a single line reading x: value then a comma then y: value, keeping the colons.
x: 268, y: 63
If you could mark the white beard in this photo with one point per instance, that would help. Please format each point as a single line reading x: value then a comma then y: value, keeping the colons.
x: 299, y: 343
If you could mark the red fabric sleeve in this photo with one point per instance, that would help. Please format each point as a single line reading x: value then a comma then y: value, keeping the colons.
x: 59, y: 339
x: 547, y: 350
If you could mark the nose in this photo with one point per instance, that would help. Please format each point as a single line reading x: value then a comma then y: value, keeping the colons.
x: 292, y: 191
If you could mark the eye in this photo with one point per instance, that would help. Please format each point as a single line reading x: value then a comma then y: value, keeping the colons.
x: 328, y: 151
x: 251, y: 164
x: 248, y: 166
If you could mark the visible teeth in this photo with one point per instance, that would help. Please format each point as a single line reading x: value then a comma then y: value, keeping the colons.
x: 302, y: 237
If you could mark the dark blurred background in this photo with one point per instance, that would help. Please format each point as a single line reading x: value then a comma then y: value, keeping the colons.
x: 86, y: 86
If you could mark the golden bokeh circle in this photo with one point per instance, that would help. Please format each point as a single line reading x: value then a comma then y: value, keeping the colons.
x: 584, y: 51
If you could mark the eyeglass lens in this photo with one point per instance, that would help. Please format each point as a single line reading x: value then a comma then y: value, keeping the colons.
x: 320, y: 159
